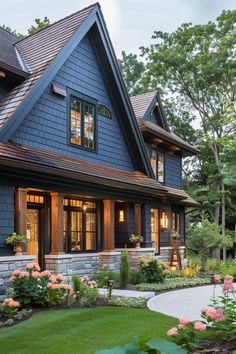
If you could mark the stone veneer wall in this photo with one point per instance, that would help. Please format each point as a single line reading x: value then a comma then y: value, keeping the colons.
x: 10, y: 263
x: 82, y: 264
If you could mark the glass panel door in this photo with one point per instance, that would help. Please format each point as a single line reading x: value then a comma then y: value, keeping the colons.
x: 76, y: 230
x: 155, y: 228
x: 91, y: 242
x: 33, y: 232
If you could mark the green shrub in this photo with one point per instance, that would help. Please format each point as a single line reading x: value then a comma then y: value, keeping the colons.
x: 152, y: 269
x: 136, y: 278
x: 88, y: 293
x: 104, y: 275
x: 76, y: 283
x: 124, y: 269
x: 127, y: 302
x: 177, y: 283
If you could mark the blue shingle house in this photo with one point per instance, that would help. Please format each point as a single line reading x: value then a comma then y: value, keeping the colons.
x: 82, y: 165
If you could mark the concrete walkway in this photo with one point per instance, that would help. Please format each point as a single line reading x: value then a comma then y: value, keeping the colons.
x: 185, y: 302
x: 128, y: 293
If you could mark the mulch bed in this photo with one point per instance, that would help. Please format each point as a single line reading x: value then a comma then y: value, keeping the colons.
x: 212, y: 347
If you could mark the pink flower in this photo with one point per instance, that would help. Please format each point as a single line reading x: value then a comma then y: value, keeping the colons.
x: 84, y: 279
x: 172, y: 332
x: 65, y: 286
x: 37, y: 267
x: 215, y: 314
x: 35, y: 275
x: 228, y: 286
x: 199, y: 326
x: 180, y: 326
x: 30, y: 266
x: 16, y: 272
x: 12, y: 279
x: 60, y: 277
x: 53, y: 279
x: 184, y: 321
x: 216, y: 278
x: 14, y: 304
x: 46, y: 274
x: 24, y: 274
x: 204, y: 310
x: 229, y: 278
x: 49, y: 285
x: 6, y: 301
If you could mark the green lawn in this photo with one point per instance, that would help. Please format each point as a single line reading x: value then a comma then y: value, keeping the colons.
x: 81, y: 331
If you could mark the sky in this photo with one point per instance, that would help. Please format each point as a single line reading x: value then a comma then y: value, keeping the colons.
x: 131, y: 23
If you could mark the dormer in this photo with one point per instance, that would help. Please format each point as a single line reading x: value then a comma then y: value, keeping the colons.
x: 12, y: 69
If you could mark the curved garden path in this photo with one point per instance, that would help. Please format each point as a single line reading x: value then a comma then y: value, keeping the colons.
x: 184, y: 302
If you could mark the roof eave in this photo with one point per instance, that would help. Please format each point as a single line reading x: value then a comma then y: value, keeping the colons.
x: 19, y: 73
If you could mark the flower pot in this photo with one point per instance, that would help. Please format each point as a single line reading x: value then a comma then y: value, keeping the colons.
x: 18, y: 249
x: 137, y: 245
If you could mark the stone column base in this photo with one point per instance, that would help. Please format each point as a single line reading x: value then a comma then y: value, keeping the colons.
x: 110, y: 260
x: 10, y: 263
x: 135, y: 253
x: 165, y: 253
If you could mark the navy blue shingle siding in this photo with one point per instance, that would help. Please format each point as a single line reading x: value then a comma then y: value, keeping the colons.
x: 6, y: 213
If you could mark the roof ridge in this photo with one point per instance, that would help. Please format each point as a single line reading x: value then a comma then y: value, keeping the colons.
x: 62, y: 19
x: 4, y: 29
x: 143, y: 94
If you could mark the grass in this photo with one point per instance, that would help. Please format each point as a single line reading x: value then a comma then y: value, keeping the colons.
x: 82, y: 331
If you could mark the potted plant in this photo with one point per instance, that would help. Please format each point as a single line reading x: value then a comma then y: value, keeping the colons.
x: 17, y: 240
x: 136, y: 239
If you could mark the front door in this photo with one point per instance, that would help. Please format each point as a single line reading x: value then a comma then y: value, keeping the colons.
x: 38, y: 226
x: 155, y: 229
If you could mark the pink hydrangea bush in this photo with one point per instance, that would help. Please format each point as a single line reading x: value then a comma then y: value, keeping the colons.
x: 10, y: 308
x: 88, y: 292
x: 221, y: 316
x: 33, y: 287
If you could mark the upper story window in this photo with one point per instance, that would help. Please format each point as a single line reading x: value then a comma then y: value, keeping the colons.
x: 104, y: 111
x: 158, y: 164
x: 82, y: 123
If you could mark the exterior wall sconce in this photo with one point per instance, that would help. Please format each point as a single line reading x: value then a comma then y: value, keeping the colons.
x: 84, y: 206
x: 164, y: 221
x: 121, y: 216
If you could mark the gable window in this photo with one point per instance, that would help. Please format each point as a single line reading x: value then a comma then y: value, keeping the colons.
x: 104, y: 111
x: 157, y: 162
x: 82, y: 123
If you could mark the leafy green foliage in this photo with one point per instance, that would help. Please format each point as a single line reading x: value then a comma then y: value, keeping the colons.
x: 87, y: 296
x: 204, y: 239
x: 136, y: 277
x: 174, y: 283
x: 124, y: 269
x: 127, y: 302
x: 146, y: 344
x: 152, y: 269
x: 39, y: 24
x: 76, y: 283
x: 104, y: 275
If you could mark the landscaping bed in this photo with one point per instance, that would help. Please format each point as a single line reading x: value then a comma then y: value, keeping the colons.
x: 173, y: 283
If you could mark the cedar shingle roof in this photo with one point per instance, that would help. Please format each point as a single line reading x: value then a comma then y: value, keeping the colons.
x: 141, y: 103
x: 75, y: 168
x: 37, y: 52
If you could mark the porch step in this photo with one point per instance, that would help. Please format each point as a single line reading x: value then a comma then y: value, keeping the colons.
x: 128, y: 293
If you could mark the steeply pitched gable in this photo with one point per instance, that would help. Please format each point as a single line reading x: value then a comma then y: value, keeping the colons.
x: 44, y: 54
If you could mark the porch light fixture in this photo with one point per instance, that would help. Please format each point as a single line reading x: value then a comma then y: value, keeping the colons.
x: 121, y: 216
x: 84, y: 206
x: 164, y: 221
x: 2, y: 74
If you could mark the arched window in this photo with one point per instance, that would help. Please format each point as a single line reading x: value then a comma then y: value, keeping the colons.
x: 104, y: 111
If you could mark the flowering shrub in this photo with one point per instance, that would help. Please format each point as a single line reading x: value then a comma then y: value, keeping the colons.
x: 153, y: 270
x: 221, y: 316
x: 174, y: 283
x: 190, y: 271
x: 10, y: 307
x: 186, y: 333
x: 88, y: 292
x: 32, y: 287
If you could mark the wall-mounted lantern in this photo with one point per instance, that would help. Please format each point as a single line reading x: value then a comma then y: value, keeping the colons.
x: 164, y: 221
x: 121, y: 215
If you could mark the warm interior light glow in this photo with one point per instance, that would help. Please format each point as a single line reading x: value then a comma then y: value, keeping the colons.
x: 164, y: 220
x: 2, y: 74
x: 121, y: 216
x: 84, y: 206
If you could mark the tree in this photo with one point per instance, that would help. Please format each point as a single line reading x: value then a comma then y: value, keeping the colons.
x: 205, y: 239
x: 197, y: 63
x: 33, y: 29
x: 132, y: 71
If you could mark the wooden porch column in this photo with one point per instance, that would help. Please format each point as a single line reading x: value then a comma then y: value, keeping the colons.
x: 109, y: 225
x: 57, y: 237
x: 137, y: 219
x: 21, y: 211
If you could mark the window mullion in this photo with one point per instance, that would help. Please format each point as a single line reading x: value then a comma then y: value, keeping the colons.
x: 82, y: 123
